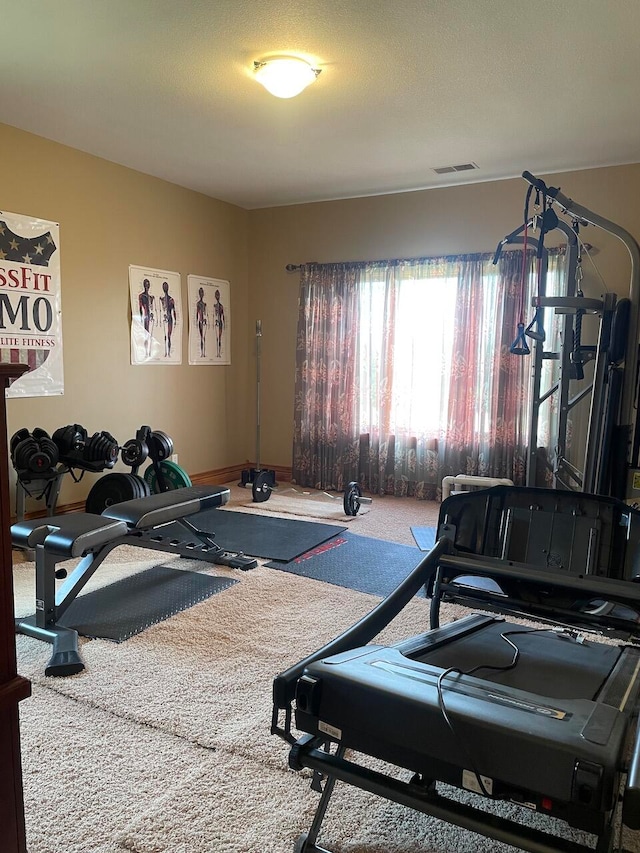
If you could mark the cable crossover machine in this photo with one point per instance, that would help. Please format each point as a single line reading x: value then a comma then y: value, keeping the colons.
x: 601, y: 375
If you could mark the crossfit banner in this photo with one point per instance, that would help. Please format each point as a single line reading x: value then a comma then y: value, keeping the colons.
x: 30, y: 304
x: 156, y: 316
x: 209, y: 320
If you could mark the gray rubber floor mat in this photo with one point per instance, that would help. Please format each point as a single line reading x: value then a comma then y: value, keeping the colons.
x: 128, y: 606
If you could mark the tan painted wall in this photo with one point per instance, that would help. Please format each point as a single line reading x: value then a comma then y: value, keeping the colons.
x: 111, y: 217
x: 434, y: 222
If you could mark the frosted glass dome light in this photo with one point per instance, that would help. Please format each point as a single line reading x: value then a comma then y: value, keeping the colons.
x: 285, y: 76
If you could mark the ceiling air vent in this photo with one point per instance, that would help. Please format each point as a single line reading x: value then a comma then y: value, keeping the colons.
x: 463, y: 167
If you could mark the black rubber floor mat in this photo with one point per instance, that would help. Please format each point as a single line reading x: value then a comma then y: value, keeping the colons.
x: 260, y: 535
x: 128, y: 606
x: 356, y: 562
x: 425, y: 537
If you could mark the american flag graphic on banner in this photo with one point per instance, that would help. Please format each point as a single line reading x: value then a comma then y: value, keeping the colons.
x: 33, y: 357
x: 35, y: 251
x: 30, y: 310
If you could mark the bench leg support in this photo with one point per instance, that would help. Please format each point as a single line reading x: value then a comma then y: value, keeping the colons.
x: 65, y: 658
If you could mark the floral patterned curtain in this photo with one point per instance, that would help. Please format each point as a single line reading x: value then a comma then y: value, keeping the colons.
x: 326, y: 428
x: 486, y: 431
x: 404, y: 373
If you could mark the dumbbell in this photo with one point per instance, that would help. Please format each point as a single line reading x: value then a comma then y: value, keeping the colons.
x: 33, y: 452
x: 101, y: 448
x: 70, y: 440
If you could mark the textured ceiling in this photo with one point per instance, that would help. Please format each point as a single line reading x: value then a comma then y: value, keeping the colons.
x: 406, y: 86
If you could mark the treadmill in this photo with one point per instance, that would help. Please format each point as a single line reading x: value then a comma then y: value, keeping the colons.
x: 542, y: 715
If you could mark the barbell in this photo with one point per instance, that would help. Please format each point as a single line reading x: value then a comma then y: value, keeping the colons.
x: 352, y: 500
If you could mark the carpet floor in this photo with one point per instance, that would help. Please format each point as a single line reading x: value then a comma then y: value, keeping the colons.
x: 162, y: 744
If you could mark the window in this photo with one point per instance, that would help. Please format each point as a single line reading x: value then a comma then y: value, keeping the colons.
x: 416, y: 372
x: 406, y: 349
x: 404, y: 373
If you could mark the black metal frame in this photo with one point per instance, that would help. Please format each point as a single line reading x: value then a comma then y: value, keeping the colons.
x: 422, y: 796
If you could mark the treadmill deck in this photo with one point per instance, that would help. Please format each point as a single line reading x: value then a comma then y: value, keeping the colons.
x: 563, y: 710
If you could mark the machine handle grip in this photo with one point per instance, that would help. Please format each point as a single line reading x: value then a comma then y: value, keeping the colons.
x: 537, y: 183
x: 631, y: 800
x: 550, y: 192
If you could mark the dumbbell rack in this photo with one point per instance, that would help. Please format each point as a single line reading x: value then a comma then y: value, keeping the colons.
x: 41, y: 461
x: 49, y: 489
x: 76, y: 450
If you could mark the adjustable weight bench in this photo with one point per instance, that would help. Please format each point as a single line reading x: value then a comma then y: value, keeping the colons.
x: 541, y: 717
x: 148, y: 522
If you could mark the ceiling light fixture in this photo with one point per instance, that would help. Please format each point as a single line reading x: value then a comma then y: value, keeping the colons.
x: 285, y: 76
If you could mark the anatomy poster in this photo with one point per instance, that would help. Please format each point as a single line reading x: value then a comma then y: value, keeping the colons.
x: 30, y: 305
x: 156, y: 316
x: 209, y: 320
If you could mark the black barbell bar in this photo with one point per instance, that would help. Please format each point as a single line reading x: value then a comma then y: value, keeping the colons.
x: 352, y: 499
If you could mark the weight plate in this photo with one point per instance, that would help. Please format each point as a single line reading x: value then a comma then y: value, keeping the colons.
x: 145, y: 488
x: 134, y: 452
x: 139, y: 485
x: 351, y: 502
x: 160, y: 445
x: 150, y: 478
x: 173, y: 475
x: 17, y: 437
x: 262, y: 486
x: 108, y: 490
x: 135, y: 488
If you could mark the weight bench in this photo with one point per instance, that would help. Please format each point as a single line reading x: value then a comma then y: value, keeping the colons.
x: 544, y: 718
x: 148, y: 522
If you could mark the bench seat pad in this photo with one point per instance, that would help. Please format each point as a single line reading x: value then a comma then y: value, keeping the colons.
x: 69, y: 535
x: 144, y: 513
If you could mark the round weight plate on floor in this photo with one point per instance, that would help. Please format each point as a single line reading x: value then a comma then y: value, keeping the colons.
x: 108, y: 490
x: 262, y: 486
x: 173, y: 475
x: 351, y: 502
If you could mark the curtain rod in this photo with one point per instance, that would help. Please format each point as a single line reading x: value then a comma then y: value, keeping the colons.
x: 297, y: 267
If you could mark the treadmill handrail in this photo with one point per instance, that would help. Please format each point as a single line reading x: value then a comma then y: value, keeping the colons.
x: 368, y: 627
